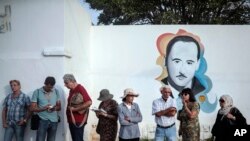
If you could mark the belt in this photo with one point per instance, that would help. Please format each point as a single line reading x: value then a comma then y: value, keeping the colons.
x: 166, y: 126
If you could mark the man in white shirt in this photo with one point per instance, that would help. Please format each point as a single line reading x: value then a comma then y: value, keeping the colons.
x: 164, y: 109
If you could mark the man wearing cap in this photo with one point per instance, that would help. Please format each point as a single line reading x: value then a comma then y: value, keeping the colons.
x: 164, y: 110
x: 107, y: 114
x: 129, y: 117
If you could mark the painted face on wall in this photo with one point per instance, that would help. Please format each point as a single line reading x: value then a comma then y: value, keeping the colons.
x: 182, y: 63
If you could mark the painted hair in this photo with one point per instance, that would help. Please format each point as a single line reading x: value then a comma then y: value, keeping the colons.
x: 182, y: 39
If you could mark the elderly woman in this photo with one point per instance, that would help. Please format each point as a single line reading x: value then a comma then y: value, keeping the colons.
x: 227, y: 116
x: 77, y: 108
x: 108, y: 116
x: 129, y: 117
x: 188, y: 116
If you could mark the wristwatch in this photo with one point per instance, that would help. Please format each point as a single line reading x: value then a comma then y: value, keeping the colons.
x: 24, y: 120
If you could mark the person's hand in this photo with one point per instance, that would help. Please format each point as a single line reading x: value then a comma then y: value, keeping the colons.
x: 47, y: 107
x: 127, y: 118
x: 230, y: 116
x: 97, y: 113
x: 184, y: 103
x: 22, y: 122
x: 70, y: 108
x: 52, y: 108
x: 103, y: 114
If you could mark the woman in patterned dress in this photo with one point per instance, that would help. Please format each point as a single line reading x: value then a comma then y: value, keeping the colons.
x: 188, y: 116
x: 108, y: 116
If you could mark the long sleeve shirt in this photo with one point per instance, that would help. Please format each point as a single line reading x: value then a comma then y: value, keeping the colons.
x: 129, y: 129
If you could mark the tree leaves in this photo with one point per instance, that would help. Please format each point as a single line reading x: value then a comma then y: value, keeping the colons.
x: 125, y: 12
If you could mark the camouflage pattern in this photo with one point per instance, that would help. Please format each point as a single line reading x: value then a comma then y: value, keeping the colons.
x: 189, y: 128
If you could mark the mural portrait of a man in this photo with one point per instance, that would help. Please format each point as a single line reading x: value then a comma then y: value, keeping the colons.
x: 183, y: 65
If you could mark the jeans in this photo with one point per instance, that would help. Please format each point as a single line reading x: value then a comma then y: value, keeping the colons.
x: 166, y: 133
x: 46, y: 127
x: 14, y: 129
x: 76, y: 132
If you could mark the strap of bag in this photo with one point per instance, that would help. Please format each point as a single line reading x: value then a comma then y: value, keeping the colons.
x: 83, y: 121
x: 37, y: 100
x: 57, y: 94
x: 73, y: 118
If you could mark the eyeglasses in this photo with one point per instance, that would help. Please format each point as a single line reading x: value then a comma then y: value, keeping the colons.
x: 222, y: 101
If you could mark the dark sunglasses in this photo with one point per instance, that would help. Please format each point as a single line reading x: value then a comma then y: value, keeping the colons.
x: 184, y: 94
x: 222, y: 101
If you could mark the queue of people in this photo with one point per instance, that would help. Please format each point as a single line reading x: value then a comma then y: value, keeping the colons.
x: 45, y: 102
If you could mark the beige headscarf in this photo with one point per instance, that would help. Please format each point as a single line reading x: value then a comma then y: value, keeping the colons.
x: 228, y: 104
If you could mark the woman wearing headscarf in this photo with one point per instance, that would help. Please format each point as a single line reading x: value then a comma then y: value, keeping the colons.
x: 188, y: 116
x: 108, y: 116
x: 129, y: 117
x: 227, y: 116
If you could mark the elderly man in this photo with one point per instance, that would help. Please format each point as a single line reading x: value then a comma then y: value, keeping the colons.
x: 77, y: 109
x: 164, y: 110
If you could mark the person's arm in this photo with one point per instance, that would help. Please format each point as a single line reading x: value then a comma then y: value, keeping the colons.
x: 28, y: 112
x: 112, y: 113
x: 123, y: 118
x: 57, y: 107
x: 4, y: 111
x: 138, y: 117
x: 26, y: 117
x: 236, y: 116
x: 215, y: 129
x: 193, y: 112
x: 169, y: 112
x: 34, y: 107
x: 87, y: 101
x: 84, y: 106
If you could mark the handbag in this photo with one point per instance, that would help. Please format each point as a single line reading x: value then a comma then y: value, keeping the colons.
x: 34, y: 123
x: 75, y: 101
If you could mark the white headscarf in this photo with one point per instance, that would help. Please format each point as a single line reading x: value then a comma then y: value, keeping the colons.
x: 228, y: 104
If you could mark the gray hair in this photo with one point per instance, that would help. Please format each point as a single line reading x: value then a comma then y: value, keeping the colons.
x: 165, y: 87
x: 69, y: 77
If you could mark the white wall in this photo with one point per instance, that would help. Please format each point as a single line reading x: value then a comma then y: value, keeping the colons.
x: 125, y: 56
x: 36, y: 25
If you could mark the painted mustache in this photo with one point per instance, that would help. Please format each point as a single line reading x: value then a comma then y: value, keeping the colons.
x: 181, y: 76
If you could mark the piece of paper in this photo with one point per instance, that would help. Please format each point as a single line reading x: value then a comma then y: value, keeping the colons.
x: 98, y: 110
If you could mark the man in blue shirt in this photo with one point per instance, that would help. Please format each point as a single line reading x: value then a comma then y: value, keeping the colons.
x: 46, y: 102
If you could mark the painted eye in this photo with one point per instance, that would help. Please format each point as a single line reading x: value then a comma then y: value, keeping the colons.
x: 177, y: 61
x: 190, y: 62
